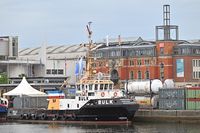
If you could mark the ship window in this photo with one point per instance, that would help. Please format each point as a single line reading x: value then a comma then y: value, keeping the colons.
x: 83, y: 87
x: 91, y: 94
x: 77, y: 105
x: 110, y: 86
x: 86, y: 87
x: 96, y: 87
x: 101, y: 86
x: 90, y: 86
x: 106, y: 87
x: 78, y: 87
x: 67, y: 105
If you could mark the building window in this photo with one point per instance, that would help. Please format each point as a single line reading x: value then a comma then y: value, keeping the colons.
x: 118, y: 53
x: 139, y: 75
x: 48, y: 71
x: 196, y: 68
x: 125, y: 53
x: 131, y: 62
x: 131, y: 75
x: 54, y: 71
x: 161, y: 71
x: 113, y: 53
x: 147, y: 75
x: 60, y: 71
x: 147, y: 62
x: 162, y: 50
x: 99, y: 55
x: 131, y: 53
x: 139, y: 62
x: 161, y: 66
x: 161, y: 75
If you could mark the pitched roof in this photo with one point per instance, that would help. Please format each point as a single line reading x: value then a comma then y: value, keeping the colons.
x: 24, y: 88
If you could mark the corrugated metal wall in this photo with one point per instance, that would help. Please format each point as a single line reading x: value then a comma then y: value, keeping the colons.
x: 172, y: 99
x: 193, y: 98
x: 30, y: 102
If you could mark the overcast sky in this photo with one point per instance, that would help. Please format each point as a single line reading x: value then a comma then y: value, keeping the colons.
x: 63, y: 22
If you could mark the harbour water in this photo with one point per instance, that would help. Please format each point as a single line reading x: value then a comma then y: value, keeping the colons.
x: 75, y: 128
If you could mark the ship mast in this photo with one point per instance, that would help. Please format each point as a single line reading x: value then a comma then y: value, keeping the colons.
x: 89, y: 54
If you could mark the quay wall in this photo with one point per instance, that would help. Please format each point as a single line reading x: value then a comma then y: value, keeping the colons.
x: 182, y: 116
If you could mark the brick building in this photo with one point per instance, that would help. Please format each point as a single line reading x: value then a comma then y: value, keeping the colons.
x: 140, y: 60
x: 165, y: 58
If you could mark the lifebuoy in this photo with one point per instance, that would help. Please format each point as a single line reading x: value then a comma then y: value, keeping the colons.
x: 115, y: 94
x: 102, y: 94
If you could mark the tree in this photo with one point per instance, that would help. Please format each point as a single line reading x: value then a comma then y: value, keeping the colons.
x: 3, y: 78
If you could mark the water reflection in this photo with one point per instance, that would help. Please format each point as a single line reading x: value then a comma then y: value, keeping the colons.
x: 77, y: 128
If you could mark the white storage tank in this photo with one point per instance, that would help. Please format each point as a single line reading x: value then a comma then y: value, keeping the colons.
x: 154, y: 101
x: 168, y: 83
x: 144, y: 86
x: 148, y: 101
x: 143, y: 100
x: 155, y: 85
x: 139, y: 87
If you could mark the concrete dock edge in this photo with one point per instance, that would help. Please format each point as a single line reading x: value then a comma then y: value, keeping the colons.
x: 182, y: 116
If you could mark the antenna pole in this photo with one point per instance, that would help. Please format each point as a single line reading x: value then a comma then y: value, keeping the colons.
x: 89, y: 58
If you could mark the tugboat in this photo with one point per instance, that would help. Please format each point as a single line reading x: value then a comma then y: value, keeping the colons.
x: 95, y: 100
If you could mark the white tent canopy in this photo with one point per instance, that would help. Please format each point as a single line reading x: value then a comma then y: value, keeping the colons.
x: 24, y: 88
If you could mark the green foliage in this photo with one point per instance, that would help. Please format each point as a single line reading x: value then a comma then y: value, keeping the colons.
x: 3, y: 78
